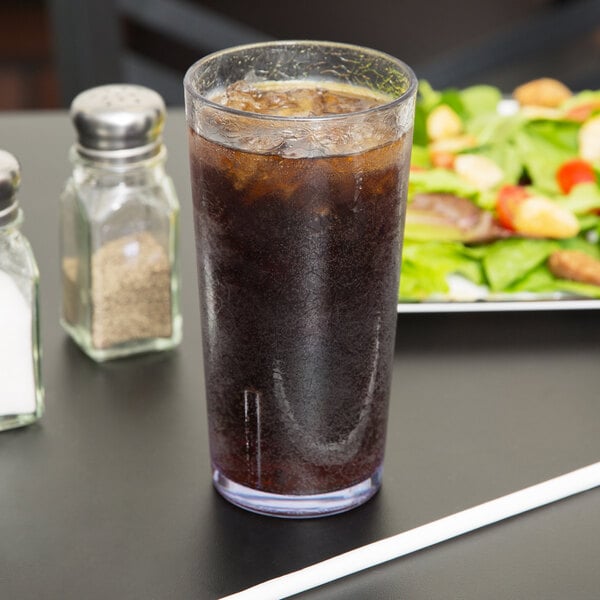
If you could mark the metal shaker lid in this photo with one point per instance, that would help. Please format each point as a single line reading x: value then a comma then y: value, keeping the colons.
x: 10, y: 180
x: 117, y: 117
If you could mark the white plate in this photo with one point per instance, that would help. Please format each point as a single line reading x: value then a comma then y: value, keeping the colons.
x: 464, y: 296
x: 431, y: 306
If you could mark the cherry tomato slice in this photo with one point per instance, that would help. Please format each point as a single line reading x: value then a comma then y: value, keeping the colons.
x: 573, y: 172
x: 509, y: 196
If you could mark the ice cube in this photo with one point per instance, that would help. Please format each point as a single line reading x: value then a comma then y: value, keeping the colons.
x: 296, y: 99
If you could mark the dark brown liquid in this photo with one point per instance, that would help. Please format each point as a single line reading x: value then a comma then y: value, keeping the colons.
x: 298, y: 262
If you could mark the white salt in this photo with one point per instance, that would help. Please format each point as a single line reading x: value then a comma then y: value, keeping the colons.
x: 17, y: 382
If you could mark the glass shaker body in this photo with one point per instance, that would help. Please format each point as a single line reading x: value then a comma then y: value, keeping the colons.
x: 119, y: 257
x: 21, y: 392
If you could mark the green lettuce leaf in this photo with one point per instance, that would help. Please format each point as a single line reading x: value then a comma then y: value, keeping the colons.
x: 418, y: 282
x: 420, y: 157
x: 562, y: 134
x: 480, y: 100
x: 425, y: 267
x: 427, y: 100
x: 424, y: 228
x: 440, y: 180
x: 494, y: 128
x: 428, y: 97
x: 582, y: 199
x: 541, y: 281
x: 587, y: 222
x: 578, y: 243
x: 580, y: 289
x: 507, y: 261
x: 544, y: 146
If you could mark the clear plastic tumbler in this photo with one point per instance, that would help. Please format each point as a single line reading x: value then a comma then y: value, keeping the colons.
x: 299, y: 158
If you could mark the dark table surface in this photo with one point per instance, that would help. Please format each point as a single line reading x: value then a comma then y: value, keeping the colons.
x: 109, y: 496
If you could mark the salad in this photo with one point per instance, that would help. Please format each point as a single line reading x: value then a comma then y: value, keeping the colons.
x: 504, y: 195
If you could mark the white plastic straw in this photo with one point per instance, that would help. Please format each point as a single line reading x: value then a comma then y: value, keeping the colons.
x: 424, y: 536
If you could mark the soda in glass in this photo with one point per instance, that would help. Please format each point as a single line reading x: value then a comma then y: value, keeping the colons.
x: 299, y: 156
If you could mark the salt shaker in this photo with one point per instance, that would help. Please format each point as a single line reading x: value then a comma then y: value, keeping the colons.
x: 21, y: 393
x: 119, y: 227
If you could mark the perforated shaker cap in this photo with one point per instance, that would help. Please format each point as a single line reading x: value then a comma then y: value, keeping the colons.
x: 10, y: 180
x: 119, y: 118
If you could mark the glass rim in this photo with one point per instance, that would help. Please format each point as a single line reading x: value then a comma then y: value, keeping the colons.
x: 403, y: 67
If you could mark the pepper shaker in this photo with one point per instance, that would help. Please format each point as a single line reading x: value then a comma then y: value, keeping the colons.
x: 21, y: 392
x: 119, y: 227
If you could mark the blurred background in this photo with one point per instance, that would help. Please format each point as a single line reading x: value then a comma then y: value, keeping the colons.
x: 52, y: 49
